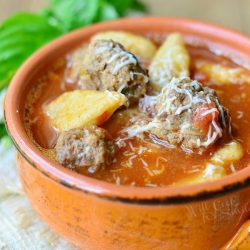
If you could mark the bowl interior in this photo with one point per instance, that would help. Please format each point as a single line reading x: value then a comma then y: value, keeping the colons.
x: 218, y: 39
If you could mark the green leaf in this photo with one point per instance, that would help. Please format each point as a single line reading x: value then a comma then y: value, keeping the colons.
x: 123, y: 6
x: 107, y: 11
x: 139, y: 6
x: 52, y: 20
x: 72, y: 14
x: 6, y: 141
x: 68, y: 15
x: 3, y: 131
x: 20, y: 36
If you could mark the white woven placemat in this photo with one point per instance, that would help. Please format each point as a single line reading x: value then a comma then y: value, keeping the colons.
x: 20, y: 228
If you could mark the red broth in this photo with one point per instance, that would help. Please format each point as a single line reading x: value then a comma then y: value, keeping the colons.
x: 141, y: 162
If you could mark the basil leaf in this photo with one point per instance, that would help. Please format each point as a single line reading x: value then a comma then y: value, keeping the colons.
x: 2, y: 130
x: 124, y: 6
x: 107, y: 11
x: 6, y: 141
x: 20, y: 36
x: 73, y: 14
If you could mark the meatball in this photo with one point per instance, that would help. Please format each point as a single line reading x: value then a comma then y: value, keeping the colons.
x: 75, y: 64
x: 85, y: 147
x: 107, y: 65
x: 189, y: 115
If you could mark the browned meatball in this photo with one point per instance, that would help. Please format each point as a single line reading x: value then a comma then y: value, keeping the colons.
x: 107, y: 65
x: 86, y: 147
x: 189, y: 115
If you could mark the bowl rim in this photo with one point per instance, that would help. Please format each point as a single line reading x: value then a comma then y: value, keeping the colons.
x: 81, y: 183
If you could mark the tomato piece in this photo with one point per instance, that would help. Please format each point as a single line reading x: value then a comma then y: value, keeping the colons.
x: 205, y: 114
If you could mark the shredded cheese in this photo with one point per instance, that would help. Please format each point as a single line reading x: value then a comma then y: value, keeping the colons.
x: 232, y: 168
x: 209, y: 111
x: 119, y: 56
x: 104, y: 48
x: 145, y: 164
x: 136, y: 129
x: 240, y: 114
x: 209, y: 170
x: 120, y: 89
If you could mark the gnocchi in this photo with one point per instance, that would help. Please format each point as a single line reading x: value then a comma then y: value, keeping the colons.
x: 211, y: 172
x: 214, y: 169
x: 223, y: 74
x: 231, y: 152
x: 138, y: 45
x: 77, y: 108
x: 171, y: 60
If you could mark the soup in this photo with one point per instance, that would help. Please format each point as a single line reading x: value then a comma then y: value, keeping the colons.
x: 117, y: 111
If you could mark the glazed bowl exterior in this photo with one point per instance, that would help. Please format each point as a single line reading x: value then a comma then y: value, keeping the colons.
x: 93, y: 214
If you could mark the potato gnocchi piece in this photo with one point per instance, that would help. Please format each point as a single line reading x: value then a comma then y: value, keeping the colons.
x: 231, y: 152
x: 77, y: 108
x: 138, y: 45
x: 223, y: 74
x: 171, y: 60
x: 214, y: 169
x: 211, y: 172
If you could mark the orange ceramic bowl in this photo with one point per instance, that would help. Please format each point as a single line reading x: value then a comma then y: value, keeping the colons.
x: 94, y: 214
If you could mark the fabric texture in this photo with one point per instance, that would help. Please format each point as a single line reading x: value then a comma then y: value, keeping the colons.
x: 20, y: 227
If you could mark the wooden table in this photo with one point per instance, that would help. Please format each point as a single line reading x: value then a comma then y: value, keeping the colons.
x: 231, y: 13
